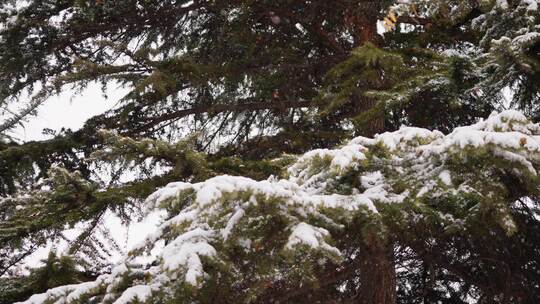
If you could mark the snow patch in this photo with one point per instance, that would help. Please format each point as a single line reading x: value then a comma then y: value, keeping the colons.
x: 309, y: 235
x: 137, y: 292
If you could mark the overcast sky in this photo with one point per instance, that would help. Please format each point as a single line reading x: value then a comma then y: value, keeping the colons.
x: 68, y: 110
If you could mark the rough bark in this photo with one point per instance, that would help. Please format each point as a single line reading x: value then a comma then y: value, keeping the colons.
x: 376, y: 124
x: 377, y: 275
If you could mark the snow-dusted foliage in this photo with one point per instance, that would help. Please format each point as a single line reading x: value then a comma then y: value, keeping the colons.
x: 504, y: 54
x: 245, y: 236
x: 511, y: 34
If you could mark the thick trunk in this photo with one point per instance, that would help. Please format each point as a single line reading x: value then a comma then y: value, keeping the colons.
x: 377, y: 268
x: 362, y: 22
x: 377, y: 275
x: 363, y: 25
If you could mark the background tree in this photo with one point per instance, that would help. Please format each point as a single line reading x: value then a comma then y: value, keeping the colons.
x: 55, y: 271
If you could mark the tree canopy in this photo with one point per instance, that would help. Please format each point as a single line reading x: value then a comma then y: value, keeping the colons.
x: 240, y: 88
x: 450, y: 200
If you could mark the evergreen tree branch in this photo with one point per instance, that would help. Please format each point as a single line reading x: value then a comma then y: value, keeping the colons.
x: 220, y: 108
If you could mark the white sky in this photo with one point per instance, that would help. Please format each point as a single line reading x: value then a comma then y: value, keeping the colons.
x: 69, y: 111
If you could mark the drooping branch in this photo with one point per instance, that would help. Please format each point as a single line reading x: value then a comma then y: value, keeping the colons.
x: 222, y: 108
x: 328, y: 38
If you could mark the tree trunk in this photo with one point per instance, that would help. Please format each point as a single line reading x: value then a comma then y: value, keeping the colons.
x: 377, y: 274
x: 375, y: 125
x: 363, y: 24
x: 377, y: 268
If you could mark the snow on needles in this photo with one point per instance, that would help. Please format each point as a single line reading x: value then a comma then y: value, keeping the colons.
x: 324, y: 190
x: 138, y: 292
x: 311, y: 236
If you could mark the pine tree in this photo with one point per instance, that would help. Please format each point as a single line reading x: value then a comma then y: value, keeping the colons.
x: 237, y: 87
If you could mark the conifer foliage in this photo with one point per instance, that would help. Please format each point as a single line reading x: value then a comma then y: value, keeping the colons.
x: 303, y: 239
x: 237, y: 112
